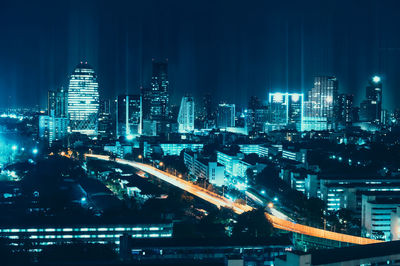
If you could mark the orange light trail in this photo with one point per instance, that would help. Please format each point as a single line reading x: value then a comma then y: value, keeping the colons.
x: 221, y: 201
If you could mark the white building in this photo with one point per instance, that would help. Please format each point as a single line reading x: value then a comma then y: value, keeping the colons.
x: 186, y: 115
x: 204, y: 169
x: 376, y: 214
x: 83, y: 100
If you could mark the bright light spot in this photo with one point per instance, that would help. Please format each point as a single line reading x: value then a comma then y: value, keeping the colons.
x: 14, y: 147
x: 83, y: 199
x: 35, y: 151
x: 295, y: 97
x: 270, y: 205
x: 329, y: 99
x: 277, y: 97
x: 130, y: 137
x: 376, y: 79
x: 275, y: 199
x: 263, y: 192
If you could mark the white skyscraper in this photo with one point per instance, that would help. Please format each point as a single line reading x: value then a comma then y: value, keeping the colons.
x: 186, y: 115
x: 83, y: 100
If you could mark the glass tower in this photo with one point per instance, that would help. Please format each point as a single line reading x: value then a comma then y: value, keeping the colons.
x: 186, y: 115
x: 83, y: 100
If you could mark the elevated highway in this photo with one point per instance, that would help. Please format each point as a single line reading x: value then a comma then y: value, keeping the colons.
x: 220, y: 201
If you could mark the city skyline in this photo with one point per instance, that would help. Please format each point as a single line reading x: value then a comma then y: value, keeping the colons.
x: 254, y: 64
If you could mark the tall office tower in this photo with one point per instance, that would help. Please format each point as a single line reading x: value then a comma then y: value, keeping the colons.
x: 57, y: 103
x: 371, y: 108
x: 207, y: 107
x: 128, y: 116
x: 159, y: 95
x: 344, y: 115
x: 186, y: 115
x: 321, y: 104
x: 286, y: 109
x: 83, y: 100
x: 106, y: 119
x: 254, y: 103
x: 226, y: 115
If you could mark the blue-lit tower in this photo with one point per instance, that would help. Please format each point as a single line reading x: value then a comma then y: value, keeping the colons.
x: 83, y: 100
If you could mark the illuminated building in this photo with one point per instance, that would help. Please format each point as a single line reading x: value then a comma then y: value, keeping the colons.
x: 319, y: 113
x: 344, y: 192
x: 344, y: 114
x: 186, y: 115
x: 203, y: 169
x: 376, y: 212
x: 226, y: 115
x: 371, y: 108
x: 106, y: 119
x: 57, y: 103
x: 129, y: 115
x: 171, y: 148
x: 258, y: 149
x: 52, y: 128
x: 42, y: 236
x: 83, y: 100
x: 234, y: 164
x: 286, y: 109
x: 156, y: 98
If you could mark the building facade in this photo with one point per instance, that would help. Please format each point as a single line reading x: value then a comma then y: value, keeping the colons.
x: 186, y: 115
x: 83, y: 100
x: 129, y: 115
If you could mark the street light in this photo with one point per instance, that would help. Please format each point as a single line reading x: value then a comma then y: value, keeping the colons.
x: 270, y: 205
x: 14, y: 147
x: 35, y: 151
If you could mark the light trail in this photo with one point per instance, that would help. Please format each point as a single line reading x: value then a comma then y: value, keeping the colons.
x: 220, y: 201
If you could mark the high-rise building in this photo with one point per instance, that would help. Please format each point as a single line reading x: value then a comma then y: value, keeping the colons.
x: 156, y: 98
x: 106, y: 119
x: 286, y: 109
x: 226, y: 115
x: 371, y: 108
x: 321, y: 104
x: 57, y: 103
x: 207, y: 107
x: 129, y: 115
x: 83, y: 100
x: 344, y: 116
x: 186, y: 115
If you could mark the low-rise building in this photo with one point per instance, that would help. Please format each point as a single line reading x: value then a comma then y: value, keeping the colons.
x: 204, y: 169
x: 376, y: 214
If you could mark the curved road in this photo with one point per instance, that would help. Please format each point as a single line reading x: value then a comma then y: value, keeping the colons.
x: 220, y: 201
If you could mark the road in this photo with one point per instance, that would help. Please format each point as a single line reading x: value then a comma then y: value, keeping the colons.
x: 220, y: 201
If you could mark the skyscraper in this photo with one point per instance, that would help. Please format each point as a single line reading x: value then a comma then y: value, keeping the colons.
x: 344, y: 116
x: 186, y: 115
x: 83, y: 100
x: 371, y: 108
x: 129, y: 115
x: 286, y: 109
x: 156, y: 98
x: 226, y: 115
x: 57, y: 103
x: 106, y: 119
x: 321, y: 104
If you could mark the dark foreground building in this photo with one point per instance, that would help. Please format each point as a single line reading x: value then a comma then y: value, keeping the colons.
x: 386, y: 253
x: 225, y: 251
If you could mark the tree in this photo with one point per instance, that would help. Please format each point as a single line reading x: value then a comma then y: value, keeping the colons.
x: 252, y: 224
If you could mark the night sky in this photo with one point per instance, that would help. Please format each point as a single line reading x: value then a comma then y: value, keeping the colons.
x: 233, y: 49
